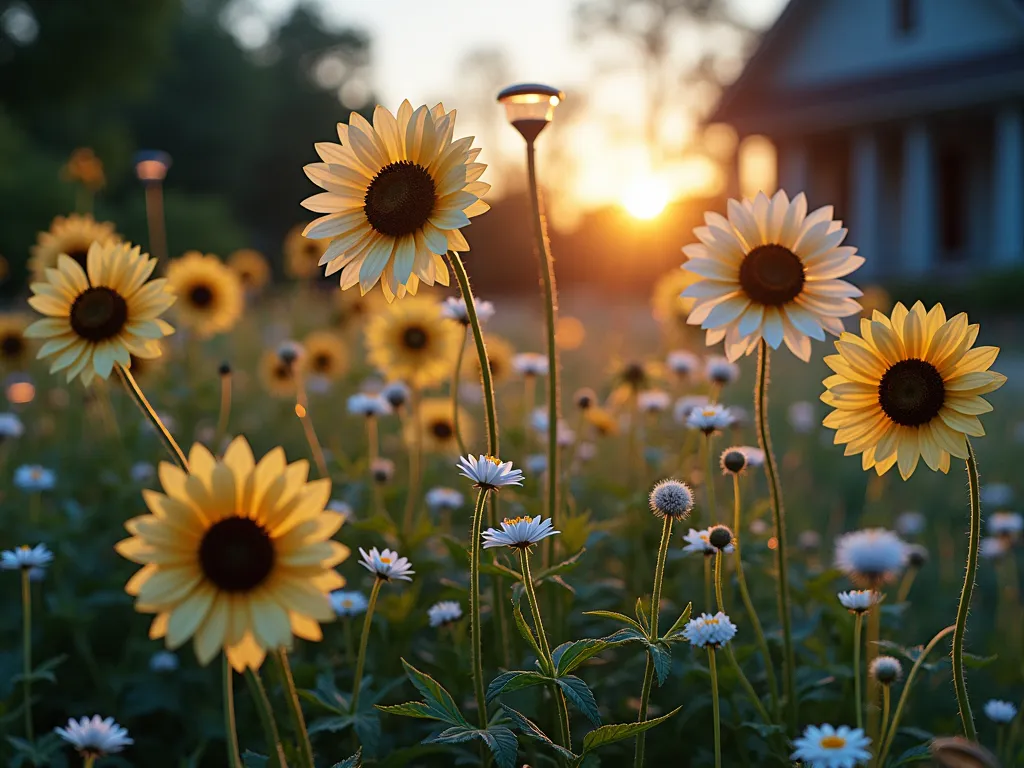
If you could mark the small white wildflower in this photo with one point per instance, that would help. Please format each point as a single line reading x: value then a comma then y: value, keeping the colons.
x: 1001, y: 712
x: 164, y: 661
x: 827, y: 747
x: 32, y: 477
x: 859, y: 600
x: 686, y: 405
x: 455, y: 309
x: 707, y: 630
x: 489, y: 472
x: 1009, y: 524
x: 530, y: 364
x: 26, y: 557
x: 363, y: 404
x: 396, y: 393
x: 10, y: 426
x: 720, y: 371
x: 886, y: 670
x: 682, y: 363
x: 382, y: 469
x: 95, y: 737
x: 709, y: 419
x: 997, y: 494
x: 671, y: 498
x: 343, y: 508
x: 444, y: 498
x: 910, y: 523
x: 386, y: 565
x: 992, y: 547
x: 755, y: 456
x: 699, y: 542
x: 653, y: 401
x: 444, y: 613
x: 871, y: 556
x: 518, y: 532
x: 348, y: 604
x: 142, y: 472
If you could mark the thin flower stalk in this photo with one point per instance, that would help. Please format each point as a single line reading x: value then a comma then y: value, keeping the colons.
x: 871, y: 689
x: 265, y: 712
x: 415, y: 463
x: 224, y: 414
x: 302, y: 411
x: 859, y: 705
x: 147, y: 410
x: 230, y: 728
x: 291, y: 699
x: 973, y: 544
x: 364, y: 640
x: 709, y: 481
x: 475, y: 640
x: 26, y: 649
x: 885, y: 717
x: 456, y: 377
x: 714, y: 705
x: 373, y: 444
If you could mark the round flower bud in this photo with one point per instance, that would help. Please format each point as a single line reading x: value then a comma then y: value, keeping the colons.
x: 289, y: 352
x: 720, y: 536
x: 224, y: 369
x: 886, y: 670
x: 671, y: 498
x: 733, y: 461
x: 382, y: 470
x: 917, y: 555
x: 585, y: 398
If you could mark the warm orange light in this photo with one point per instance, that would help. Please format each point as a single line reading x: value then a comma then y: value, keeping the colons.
x: 300, y: 410
x: 773, y: 543
x: 21, y: 392
x: 646, y: 198
x: 569, y: 333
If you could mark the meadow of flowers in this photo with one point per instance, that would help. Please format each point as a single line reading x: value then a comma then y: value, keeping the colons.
x: 393, y: 524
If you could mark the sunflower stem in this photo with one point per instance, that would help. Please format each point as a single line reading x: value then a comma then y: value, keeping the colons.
x: 302, y: 411
x: 475, y: 640
x: 959, y: 681
x: 775, y: 490
x: 26, y: 649
x: 858, y: 620
x: 291, y: 700
x: 225, y: 410
x: 266, y: 715
x: 714, y: 705
x: 147, y: 410
x: 364, y: 640
x: 230, y: 728
x: 645, y: 692
x: 456, y: 376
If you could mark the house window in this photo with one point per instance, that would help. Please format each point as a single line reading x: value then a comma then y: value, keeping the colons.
x: 907, y: 17
x: 953, y: 203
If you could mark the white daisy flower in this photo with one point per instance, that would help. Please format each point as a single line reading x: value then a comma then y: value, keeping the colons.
x: 539, y: 421
x: 886, y: 670
x: 1009, y: 524
x: 455, y: 309
x: 710, y: 630
x: 671, y: 498
x: 95, y: 737
x: 10, y: 426
x: 518, y: 532
x: 755, y: 456
x: 164, y: 661
x: 699, y: 542
x: 709, y: 419
x: 26, y: 557
x: 682, y: 363
x: 382, y: 469
x: 653, y: 401
x: 396, y: 393
x: 992, y: 547
x: 686, y: 405
x: 720, y: 370
x: 530, y: 364
x: 1001, y: 712
x: 444, y: 498
x: 871, y: 556
x: 859, y: 600
x: 801, y: 417
x: 32, y: 477
x: 489, y: 472
x: 910, y: 523
x: 827, y: 747
x: 996, y: 494
x: 363, y: 404
x: 347, y: 603
x: 444, y: 612
x: 386, y: 565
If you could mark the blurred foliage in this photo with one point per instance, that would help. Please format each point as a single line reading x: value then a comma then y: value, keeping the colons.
x: 980, y: 291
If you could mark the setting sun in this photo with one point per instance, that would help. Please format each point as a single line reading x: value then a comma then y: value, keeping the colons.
x: 646, y: 198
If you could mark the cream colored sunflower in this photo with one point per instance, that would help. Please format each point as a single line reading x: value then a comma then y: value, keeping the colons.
x: 908, y: 387
x: 210, y: 299
x: 398, y: 192
x: 412, y: 342
x: 499, y: 355
x: 100, y: 316
x: 771, y: 271
x: 13, y: 344
x: 236, y: 555
x: 326, y: 357
x: 143, y: 368
x: 71, y: 235
x: 252, y: 269
x: 302, y: 254
x: 279, y: 377
x: 436, y: 427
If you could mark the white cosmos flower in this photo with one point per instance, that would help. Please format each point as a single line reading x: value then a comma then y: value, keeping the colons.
x: 444, y: 612
x: 710, y: 630
x: 686, y: 405
x: 682, y: 363
x: 518, y: 532
x: 95, y: 737
x: 489, y: 472
x: 827, y: 747
x: 709, y: 419
x: 1001, y: 712
x: 10, y: 426
x: 386, y: 565
x: 871, y: 556
x: 653, y: 401
x: 364, y: 404
x: 444, y: 498
x: 771, y: 271
x: 347, y: 604
x: 26, y: 557
x: 537, y: 463
x: 755, y: 456
x: 720, y: 370
x: 859, y: 600
x: 455, y: 309
x: 32, y: 477
x: 699, y: 542
x: 1009, y: 524
x: 530, y: 364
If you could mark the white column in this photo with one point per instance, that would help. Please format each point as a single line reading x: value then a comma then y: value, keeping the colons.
x: 918, y: 235
x: 865, y: 198
x: 1008, y: 186
x: 793, y: 160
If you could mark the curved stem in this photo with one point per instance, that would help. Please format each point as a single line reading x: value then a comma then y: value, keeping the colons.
x: 708, y: 603
x: 858, y: 620
x: 645, y: 697
x: 147, y: 410
x: 885, y: 720
x: 775, y: 491
x: 26, y: 652
x: 714, y: 705
x: 718, y: 581
x: 291, y: 700
x: 266, y: 716
x: 748, y: 604
x: 906, y: 692
x: 905, y: 583
x: 225, y: 410
x: 871, y: 687
x: 456, y: 376
x: 415, y: 468
x: 475, y: 640
x: 302, y: 411
x: 364, y: 640
x: 709, y: 482
x: 959, y: 681
x: 230, y: 729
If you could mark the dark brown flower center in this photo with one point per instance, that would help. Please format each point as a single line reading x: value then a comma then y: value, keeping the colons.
x: 200, y: 296
x: 321, y: 362
x: 634, y: 374
x: 80, y: 256
x: 282, y: 372
x: 236, y: 554
x: 12, y: 345
x: 442, y: 429
x: 911, y: 392
x: 400, y: 199
x: 414, y: 337
x: 772, y: 275
x: 98, y: 314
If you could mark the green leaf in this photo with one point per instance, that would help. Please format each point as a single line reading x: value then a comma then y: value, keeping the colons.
x: 626, y: 635
x: 913, y: 755
x: 617, y: 617
x: 575, y: 654
x: 680, y: 622
x: 514, y: 681
x: 523, y: 724
x: 331, y: 724
x: 975, y: 662
x: 524, y: 628
x: 254, y: 760
x: 456, y: 551
x: 499, y: 739
x: 563, y: 567
x: 764, y: 730
x: 579, y: 693
x: 351, y: 762
x: 608, y: 734
x: 641, y: 616
x: 367, y: 728
x: 661, y: 655
x: 410, y: 709
x: 436, y: 695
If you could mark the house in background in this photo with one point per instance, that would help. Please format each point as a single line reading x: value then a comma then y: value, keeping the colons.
x: 907, y: 115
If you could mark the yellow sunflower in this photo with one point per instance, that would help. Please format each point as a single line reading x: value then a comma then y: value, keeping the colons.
x: 147, y: 367
x: 209, y: 293
x: 13, y: 345
x: 437, y: 426
x: 909, y: 387
x: 771, y: 271
x: 302, y: 254
x: 71, y: 235
x: 668, y: 305
x: 236, y: 555
x: 602, y: 420
x: 279, y: 377
x: 102, y: 316
x: 499, y: 355
x: 413, y: 342
x: 326, y: 356
x: 398, y: 192
x: 250, y: 266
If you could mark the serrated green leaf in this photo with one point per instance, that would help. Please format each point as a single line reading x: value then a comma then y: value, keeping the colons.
x: 367, y: 727
x: 514, y: 681
x: 625, y: 635
x: 409, y: 709
x: 526, y: 726
x: 641, y: 616
x: 608, y: 734
x: 661, y: 655
x: 679, y: 623
x: 436, y: 695
x: 575, y: 654
x: 524, y: 628
x: 351, y: 762
x: 331, y: 724
x: 616, y: 617
x: 579, y: 693
x: 499, y: 739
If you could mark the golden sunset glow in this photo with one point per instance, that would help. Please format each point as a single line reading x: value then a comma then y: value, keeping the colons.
x: 646, y: 198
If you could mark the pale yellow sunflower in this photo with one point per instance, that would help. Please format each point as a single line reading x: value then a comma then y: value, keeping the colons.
x: 436, y: 422
x: 13, y: 344
x: 412, y: 342
x: 398, y: 192
x: 302, y: 254
x: 71, y: 235
x: 280, y: 377
x: 252, y: 269
x: 771, y: 271
x: 147, y: 367
x: 236, y: 555
x: 908, y: 387
x: 100, y: 316
x: 210, y: 299
x: 602, y: 420
x: 326, y: 356
x: 499, y: 355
